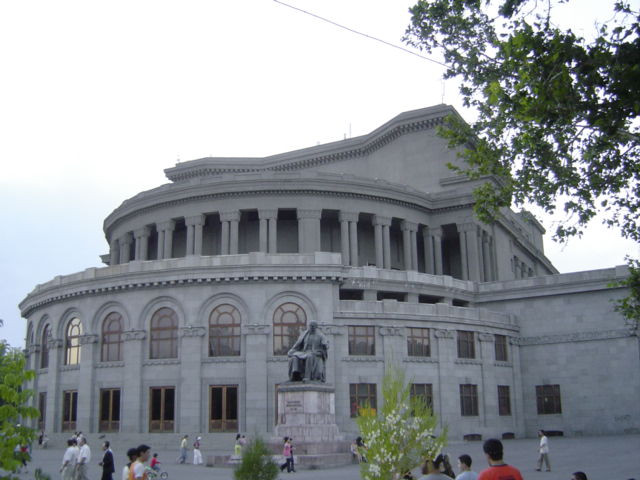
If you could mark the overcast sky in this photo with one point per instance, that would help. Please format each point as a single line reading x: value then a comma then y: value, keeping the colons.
x: 98, y: 98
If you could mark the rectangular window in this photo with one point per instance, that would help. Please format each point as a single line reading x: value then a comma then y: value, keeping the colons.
x: 418, y: 344
x: 504, y: 400
x: 42, y: 407
x: 469, y: 400
x: 69, y: 410
x: 362, y: 395
x: 223, y: 408
x: 548, y: 399
x: 109, y: 410
x: 424, y: 390
x: 501, y: 348
x: 362, y: 341
x: 466, y: 344
x: 162, y: 408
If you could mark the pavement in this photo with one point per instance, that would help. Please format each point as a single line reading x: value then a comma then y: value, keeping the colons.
x: 601, y: 458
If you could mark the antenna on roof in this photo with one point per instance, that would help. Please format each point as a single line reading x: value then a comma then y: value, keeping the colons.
x: 178, y: 159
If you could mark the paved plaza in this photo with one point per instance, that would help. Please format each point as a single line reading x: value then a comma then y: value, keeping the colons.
x: 607, y: 457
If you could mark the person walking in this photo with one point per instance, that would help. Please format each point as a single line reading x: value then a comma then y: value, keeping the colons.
x: 464, y: 465
x: 498, y: 469
x: 197, y: 454
x: 543, y: 451
x: 138, y: 470
x: 108, y: 467
x: 84, y: 457
x: 132, y: 454
x: 69, y: 459
x: 182, y: 458
x: 286, y: 455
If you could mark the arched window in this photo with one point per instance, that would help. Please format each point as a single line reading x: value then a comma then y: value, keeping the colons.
x: 72, y: 342
x: 112, y: 338
x: 164, y: 334
x: 288, y: 321
x: 44, y: 347
x: 224, y: 331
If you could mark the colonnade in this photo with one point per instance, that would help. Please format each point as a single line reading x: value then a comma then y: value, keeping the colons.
x: 476, y: 251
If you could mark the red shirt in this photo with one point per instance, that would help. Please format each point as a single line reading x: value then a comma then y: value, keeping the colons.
x: 500, y: 472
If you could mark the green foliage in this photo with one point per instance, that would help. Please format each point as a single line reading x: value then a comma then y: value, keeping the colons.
x: 557, y: 114
x: 400, y: 435
x: 13, y: 407
x: 40, y: 475
x: 256, y: 463
x: 629, y: 306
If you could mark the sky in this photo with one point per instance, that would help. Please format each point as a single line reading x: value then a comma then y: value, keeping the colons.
x: 98, y: 98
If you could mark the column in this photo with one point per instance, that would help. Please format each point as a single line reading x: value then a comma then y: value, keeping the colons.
x: 132, y: 395
x: 87, y: 402
x: 488, y: 407
x: 353, y: 242
x: 349, y: 237
x: 427, y: 241
x: 486, y: 258
x: 142, y: 243
x: 167, y: 238
x: 447, y: 403
x: 309, y: 230
x: 392, y: 343
x: 273, y: 233
x: 194, y: 234
x: 234, y: 224
x: 436, y: 238
x: 54, y: 393
x: 125, y: 247
x: 230, y: 222
x: 344, y: 239
x: 189, y: 416
x: 414, y: 248
x: 409, y: 244
x: 377, y: 230
x: 113, y: 251
x: 224, y: 236
x: 479, y: 237
x: 256, y: 388
x: 472, y: 250
x: 386, y: 245
x: 263, y: 236
x: 462, y: 236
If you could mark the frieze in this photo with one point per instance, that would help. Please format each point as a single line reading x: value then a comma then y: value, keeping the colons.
x: 191, y: 331
x: 577, y: 337
x: 256, y: 329
x: 69, y: 368
x: 503, y: 364
x: 332, y: 329
x: 391, y: 331
x: 420, y: 360
x: 278, y: 359
x: 54, y: 343
x: 134, y: 335
x: 444, y: 334
x: 238, y: 359
x: 109, y: 364
x: 88, y: 339
x: 33, y: 349
x: 468, y: 361
x: 486, y: 337
x: 362, y: 358
x: 167, y: 361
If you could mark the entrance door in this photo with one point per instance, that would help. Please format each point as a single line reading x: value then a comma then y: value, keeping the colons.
x: 223, y: 408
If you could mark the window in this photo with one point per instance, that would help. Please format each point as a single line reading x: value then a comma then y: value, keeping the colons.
x: 224, y: 331
x: 501, y: 348
x: 44, y: 355
x: 548, y: 399
x: 504, y: 400
x: 424, y: 390
x: 42, y: 407
x: 362, y: 395
x: 72, y: 342
x: 223, y: 408
x: 288, y: 321
x: 466, y: 344
x: 164, y: 334
x: 109, y: 410
x: 112, y: 338
x: 69, y: 410
x: 362, y: 341
x: 418, y: 344
x: 162, y: 408
x: 469, y: 400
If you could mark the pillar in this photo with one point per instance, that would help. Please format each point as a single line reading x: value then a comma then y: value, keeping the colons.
x: 349, y: 237
x: 194, y: 234
x: 54, y: 392
x: 429, y: 266
x: 377, y: 230
x: 165, y: 231
x: 189, y: 416
x: 264, y: 216
x: 142, y: 243
x: 125, y: 247
x: 113, y: 251
x: 386, y: 244
x: 409, y: 244
x: 344, y: 239
x: 132, y: 395
x: 486, y: 258
x: 87, y: 414
x: 256, y: 388
x: 309, y: 230
x: 436, y: 238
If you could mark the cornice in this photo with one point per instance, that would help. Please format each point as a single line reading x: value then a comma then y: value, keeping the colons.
x: 578, y: 337
x: 363, y: 359
x: 409, y: 359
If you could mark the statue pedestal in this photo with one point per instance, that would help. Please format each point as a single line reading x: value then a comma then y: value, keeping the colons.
x: 306, y: 413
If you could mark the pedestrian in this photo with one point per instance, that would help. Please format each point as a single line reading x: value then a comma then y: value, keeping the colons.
x: 138, y: 469
x: 579, y: 476
x: 362, y: 449
x: 354, y: 451
x: 182, y: 458
x: 431, y: 469
x: 69, y: 459
x: 498, y: 469
x: 132, y: 455
x: 543, y: 451
x: 84, y: 458
x: 286, y: 455
x: 291, y: 457
x: 197, y: 454
x: 446, y: 466
x: 107, y: 464
x: 464, y: 465
x: 237, y: 448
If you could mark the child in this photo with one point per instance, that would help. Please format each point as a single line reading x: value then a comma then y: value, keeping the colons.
x: 155, y: 462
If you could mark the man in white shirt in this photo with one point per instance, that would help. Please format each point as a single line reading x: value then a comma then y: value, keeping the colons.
x: 138, y: 468
x: 68, y: 467
x: 543, y: 449
x: 464, y: 465
x: 84, y: 457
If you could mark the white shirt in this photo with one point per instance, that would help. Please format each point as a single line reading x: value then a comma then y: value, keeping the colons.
x: 85, y: 454
x: 544, y: 444
x: 70, y: 455
x: 138, y: 470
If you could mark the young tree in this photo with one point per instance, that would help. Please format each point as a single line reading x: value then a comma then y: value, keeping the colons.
x: 557, y: 114
x: 13, y: 407
x: 401, y: 435
x: 256, y: 463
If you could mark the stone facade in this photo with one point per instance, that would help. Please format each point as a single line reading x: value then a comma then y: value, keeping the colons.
x: 210, y: 277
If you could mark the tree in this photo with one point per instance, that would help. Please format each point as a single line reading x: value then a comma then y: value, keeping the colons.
x: 13, y: 407
x: 256, y: 463
x: 557, y: 114
x: 401, y: 435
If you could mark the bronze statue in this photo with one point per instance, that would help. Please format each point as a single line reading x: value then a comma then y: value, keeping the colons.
x: 308, y: 355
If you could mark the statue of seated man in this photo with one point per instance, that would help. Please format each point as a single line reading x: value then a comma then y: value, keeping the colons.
x: 308, y: 355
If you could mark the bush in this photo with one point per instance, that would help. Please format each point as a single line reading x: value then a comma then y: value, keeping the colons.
x: 256, y: 463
